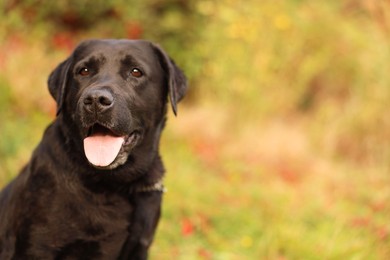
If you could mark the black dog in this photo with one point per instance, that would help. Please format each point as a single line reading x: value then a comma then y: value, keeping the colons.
x: 93, y: 187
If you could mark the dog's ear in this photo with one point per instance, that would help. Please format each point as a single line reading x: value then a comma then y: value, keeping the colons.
x: 57, y: 83
x: 176, y: 80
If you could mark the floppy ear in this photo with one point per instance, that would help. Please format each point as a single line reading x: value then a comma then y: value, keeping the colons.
x: 176, y: 80
x: 57, y: 83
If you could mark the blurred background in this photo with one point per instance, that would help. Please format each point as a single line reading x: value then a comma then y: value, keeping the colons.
x: 281, y: 148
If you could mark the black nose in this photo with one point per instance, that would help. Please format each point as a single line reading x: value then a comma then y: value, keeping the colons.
x: 98, y: 100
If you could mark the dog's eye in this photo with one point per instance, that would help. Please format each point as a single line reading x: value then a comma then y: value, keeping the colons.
x: 136, y: 73
x: 84, y: 71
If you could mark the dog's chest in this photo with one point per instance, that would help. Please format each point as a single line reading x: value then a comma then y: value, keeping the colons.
x: 97, y: 224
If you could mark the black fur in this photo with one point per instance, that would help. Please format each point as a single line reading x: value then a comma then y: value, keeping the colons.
x: 61, y: 206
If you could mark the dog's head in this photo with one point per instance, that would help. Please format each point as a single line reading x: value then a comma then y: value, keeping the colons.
x: 115, y: 93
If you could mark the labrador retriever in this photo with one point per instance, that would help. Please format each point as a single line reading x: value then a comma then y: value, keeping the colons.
x: 93, y: 187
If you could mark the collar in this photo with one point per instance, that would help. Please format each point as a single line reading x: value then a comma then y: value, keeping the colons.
x: 158, y: 186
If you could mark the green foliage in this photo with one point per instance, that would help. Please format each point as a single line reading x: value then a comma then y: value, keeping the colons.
x: 175, y: 24
x: 321, y: 60
x: 19, y: 133
x: 281, y: 149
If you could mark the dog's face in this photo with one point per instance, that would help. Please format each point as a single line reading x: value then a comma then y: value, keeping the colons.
x: 115, y: 93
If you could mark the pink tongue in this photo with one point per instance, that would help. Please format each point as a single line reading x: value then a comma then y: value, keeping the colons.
x: 101, y: 150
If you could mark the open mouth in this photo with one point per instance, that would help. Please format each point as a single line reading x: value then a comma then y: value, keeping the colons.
x: 102, y: 146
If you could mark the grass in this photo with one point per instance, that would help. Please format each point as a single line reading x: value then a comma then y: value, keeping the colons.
x: 291, y: 205
x: 281, y: 149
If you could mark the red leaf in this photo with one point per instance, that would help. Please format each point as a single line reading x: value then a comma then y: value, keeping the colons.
x: 382, y: 232
x: 64, y: 41
x: 204, y: 254
x: 134, y: 30
x: 361, y: 222
x: 187, y: 227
